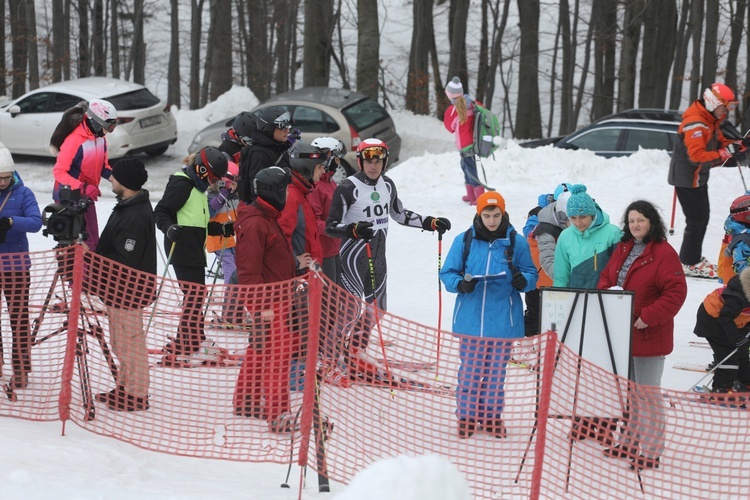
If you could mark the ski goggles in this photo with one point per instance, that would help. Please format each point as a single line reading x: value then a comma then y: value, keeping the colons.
x: 374, y: 153
x: 730, y: 105
x: 283, y: 121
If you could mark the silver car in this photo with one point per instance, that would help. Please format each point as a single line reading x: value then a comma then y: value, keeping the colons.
x: 321, y: 111
x: 144, y: 123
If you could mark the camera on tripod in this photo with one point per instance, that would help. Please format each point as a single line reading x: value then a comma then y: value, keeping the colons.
x: 65, y: 220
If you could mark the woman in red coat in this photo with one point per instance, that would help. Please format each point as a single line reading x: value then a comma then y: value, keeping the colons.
x: 645, y: 263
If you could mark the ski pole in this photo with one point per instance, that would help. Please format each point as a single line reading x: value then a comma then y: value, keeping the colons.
x: 739, y: 167
x: 375, y: 312
x: 161, y: 284
x: 718, y: 365
x: 674, y: 208
x: 440, y: 304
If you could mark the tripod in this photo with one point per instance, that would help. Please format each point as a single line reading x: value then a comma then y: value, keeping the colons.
x: 85, y: 327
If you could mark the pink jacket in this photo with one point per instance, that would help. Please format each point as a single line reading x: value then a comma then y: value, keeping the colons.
x: 464, y: 132
x: 82, y: 160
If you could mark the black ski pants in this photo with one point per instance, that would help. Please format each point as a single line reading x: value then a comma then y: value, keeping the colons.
x: 695, y: 206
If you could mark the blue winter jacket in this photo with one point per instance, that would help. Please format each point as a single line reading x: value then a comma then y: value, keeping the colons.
x: 494, y: 309
x: 23, y: 208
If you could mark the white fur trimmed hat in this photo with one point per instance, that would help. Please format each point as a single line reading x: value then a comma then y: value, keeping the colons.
x: 6, y: 160
x: 454, y: 89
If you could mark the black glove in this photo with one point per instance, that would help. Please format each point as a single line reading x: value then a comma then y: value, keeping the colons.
x: 3, y: 232
x: 4, y: 224
x: 518, y: 281
x: 361, y: 230
x: 439, y: 224
x: 467, y: 286
x: 174, y: 232
x: 227, y: 229
x: 746, y: 141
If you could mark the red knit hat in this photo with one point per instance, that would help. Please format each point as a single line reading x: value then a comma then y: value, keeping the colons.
x: 490, y: 199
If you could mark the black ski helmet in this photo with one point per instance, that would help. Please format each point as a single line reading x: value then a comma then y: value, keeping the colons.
x: 244, y: 125
x: 211, y: 164
x: 303, y: 158
x: 271, y: 118
x: 270, y: 185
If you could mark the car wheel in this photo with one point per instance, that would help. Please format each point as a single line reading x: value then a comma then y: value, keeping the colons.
x: 157, y: 151
x: 344, y: 171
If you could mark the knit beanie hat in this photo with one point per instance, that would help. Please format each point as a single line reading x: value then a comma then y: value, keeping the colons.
x: 454, y: 89
x: 490, y: 199
x: 6, y: 161
x: 131, y: 173
x: 580, y: 203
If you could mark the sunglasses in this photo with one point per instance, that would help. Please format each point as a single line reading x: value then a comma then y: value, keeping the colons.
x: 283, y: 121
x: 374, y: 153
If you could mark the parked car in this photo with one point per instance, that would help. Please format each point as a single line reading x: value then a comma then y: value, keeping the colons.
x: 144, y: 123
x: 321, y: 111
x: 622, y: 134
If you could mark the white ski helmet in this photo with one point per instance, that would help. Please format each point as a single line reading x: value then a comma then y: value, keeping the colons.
x: 102, y: 116
x: 336, y: 148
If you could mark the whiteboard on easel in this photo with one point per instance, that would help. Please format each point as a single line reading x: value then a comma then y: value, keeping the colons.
x: 595, y: 325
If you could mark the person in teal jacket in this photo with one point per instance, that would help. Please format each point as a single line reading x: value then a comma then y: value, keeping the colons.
x: 489, y: 266
x: 584, y: 248
x: 582, y: 252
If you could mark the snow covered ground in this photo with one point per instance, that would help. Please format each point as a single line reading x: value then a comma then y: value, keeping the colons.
x: 37, y: 463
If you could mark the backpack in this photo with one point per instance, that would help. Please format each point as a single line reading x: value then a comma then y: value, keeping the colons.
x: 486, y: 127
x: 469, y: 236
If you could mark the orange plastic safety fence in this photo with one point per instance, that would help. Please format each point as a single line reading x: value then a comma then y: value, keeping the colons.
x: 230, y: 372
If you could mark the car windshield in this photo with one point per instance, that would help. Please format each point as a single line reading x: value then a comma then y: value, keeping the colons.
x: 365, y: 114
x: 138, y: 99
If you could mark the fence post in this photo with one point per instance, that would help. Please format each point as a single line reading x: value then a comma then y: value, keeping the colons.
x: 63, y: 255
x: 548, y: 371
x: 314, y: 297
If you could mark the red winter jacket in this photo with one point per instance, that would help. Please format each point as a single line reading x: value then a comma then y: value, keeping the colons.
x: 658, y: 281
x: 464, y: 132
x: 298, y: 222
x: 263, y: 252
x: 320, y: 200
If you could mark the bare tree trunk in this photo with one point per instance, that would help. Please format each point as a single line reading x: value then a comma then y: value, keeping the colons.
x: 221, y: 56
x: 631, y: 37
x: 196, y: 13
x: 19, y: 46
x: 259, y: 63
x: 285, y: 20
x: 67, y: 60
x: 695, y: 74
x: 138, y: 58
x: 339, y: 60
x: 684, y: 32
x: 528, y: 113
x: 97, y: 41
x: 567, y: 124
x: 553, y: 82
x: 496, y: 56
x: 659, y: 21
x: 710, y: 43
x: 737, y: 28
x: 316, y: 49
x: 84, y: 54
x: 605, y: 29
x: 3, y: 67
x: 584, y: 73
x: 241, y: 39
x: 368, y: 47
x: 114, y: 37
x: 33, y: 48
x: 457, y: 61
x: 483, y: 62
x: 58, y: 47
x: 173, y: 86
x: 418, y: 79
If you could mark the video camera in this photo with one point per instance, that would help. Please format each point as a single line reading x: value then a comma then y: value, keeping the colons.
x: 65, y: 221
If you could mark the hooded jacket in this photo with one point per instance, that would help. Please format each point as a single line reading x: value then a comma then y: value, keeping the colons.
x: 82, y: 160
x: 320, y: 201
x: 262, y: 153
x: 728, y: 309
x: 543, y: 241
x: 494, y: 309
x: 298, y: 221
x: 697, y: 147
x: 660, y: 288
x: 581, y: 256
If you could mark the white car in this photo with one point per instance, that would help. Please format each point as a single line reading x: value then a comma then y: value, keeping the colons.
x: 144, y: 123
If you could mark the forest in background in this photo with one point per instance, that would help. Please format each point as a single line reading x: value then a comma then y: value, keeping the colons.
x: 545, y: 67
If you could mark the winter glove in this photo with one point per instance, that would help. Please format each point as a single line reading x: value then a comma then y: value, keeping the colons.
x: 732, y: 150
x: 294, y: 135
x: 518, y: 281
x: 467, y: 286
x: 227, y: 229
x: 439, y: 224
x: 360, y: 230
x: 91, y: 191
x: 4, y: 223
x: 746, y: 141
x: 174, y: 232
x: 3, y: 232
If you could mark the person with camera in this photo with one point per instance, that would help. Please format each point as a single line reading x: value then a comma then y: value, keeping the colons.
x: 127, y: 287
x: 182, y: 215
x: 19, y: 214
x: 82, y: 158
